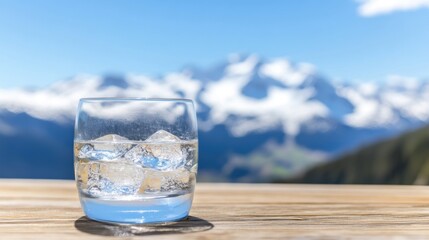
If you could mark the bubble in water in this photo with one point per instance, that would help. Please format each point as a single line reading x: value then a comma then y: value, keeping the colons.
x: 108, y: 147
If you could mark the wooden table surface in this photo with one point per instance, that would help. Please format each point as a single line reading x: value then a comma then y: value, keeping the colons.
x: 42, y: 209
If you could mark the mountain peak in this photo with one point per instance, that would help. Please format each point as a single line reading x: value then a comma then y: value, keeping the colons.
x: 239, y: 57
x: 112, y: 80
x: 290, y: 74
x: 242, y: 67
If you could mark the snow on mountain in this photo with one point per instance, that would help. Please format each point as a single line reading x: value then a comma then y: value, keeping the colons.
x: 396, y: 103
x: 282, y: 106
x: 250, y: 95
x: 369, y: 111
x: 282, y: 70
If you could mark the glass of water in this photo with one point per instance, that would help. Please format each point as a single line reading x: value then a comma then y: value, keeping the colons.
x: 136, y: 159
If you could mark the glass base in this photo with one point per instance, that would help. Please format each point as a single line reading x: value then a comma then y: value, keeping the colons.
x: 152, y: 210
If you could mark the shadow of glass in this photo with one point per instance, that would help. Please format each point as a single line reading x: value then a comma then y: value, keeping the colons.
x: 187, y: 225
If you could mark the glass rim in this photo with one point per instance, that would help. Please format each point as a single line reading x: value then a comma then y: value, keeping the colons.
x: 143, y: 99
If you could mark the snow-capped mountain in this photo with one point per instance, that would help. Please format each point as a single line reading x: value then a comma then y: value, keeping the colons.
x: 265, y: 111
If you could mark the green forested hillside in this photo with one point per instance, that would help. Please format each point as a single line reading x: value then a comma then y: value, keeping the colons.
x: 401, y: 160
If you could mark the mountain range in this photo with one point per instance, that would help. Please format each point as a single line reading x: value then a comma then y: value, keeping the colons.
x: 259, y: 119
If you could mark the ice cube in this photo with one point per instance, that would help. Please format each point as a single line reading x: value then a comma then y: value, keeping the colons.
x: 111, y: 138
x: 162, y: 136
x: 108, y: 147
x: 191, y: 152
x: 82, y: 173
x: 152, y: 181
x: 93, y: 177
x: 158, y: 181
x: 142, y: 155
x: 161, y: 151
x: 114, y: 178
x: 176, y: 180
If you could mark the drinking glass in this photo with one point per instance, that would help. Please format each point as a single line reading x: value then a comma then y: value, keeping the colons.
x: 135, y: 159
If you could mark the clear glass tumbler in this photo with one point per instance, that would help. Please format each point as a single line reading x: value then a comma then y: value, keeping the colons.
x: 136, y: 159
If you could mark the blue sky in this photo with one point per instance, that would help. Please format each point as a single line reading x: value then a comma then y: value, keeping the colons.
x: 45, y: 41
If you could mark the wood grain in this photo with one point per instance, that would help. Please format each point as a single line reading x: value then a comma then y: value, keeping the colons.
x: 42, y: 209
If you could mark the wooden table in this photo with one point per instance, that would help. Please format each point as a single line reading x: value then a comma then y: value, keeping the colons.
x: 42, y: 209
